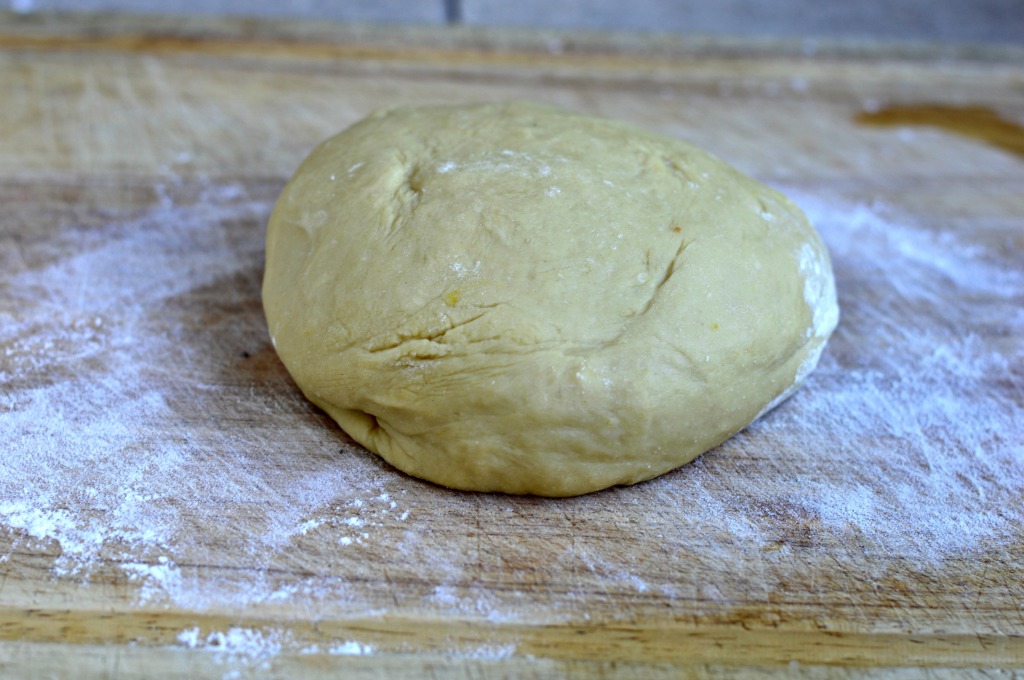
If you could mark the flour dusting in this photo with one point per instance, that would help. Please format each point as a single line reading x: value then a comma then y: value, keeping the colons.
x: 934, y: 446
x: 238, y: 646
x: 152, y: 440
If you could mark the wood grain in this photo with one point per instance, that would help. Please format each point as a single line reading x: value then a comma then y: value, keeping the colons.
x: 138, y: 164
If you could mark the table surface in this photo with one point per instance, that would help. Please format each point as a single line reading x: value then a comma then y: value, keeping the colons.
x: 169, y: 501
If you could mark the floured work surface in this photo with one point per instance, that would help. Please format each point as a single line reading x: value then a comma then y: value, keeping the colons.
x: 168, y: 497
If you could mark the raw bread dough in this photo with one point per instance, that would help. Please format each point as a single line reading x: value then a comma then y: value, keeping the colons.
x: 517, y: 298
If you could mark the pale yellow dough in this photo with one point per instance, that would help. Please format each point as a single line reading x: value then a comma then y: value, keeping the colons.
x: 517, y: 298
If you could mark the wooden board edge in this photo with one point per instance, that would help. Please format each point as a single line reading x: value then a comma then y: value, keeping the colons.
x: 671, y: 642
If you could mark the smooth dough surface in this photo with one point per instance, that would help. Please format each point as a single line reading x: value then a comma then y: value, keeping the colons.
x: 517, y: 298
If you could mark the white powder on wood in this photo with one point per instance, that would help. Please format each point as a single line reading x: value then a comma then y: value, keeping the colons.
x: 130, y: 445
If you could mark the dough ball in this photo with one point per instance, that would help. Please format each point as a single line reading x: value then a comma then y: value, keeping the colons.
x: 521, y: 299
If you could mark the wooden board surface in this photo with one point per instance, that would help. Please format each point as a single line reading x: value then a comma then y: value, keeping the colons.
x: 169, y: 501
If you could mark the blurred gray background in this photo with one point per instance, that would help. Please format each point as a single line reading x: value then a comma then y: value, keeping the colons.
x: 971, y: 21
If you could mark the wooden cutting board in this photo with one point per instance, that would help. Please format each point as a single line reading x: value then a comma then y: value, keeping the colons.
x: 170, y: 505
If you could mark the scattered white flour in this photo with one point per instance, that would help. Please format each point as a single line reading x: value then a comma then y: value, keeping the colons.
x: 156, y: 579
x: 492, y: 651
x: 902, y: 452
x: 934, y: 444
x: 238, y: 646
x: 350, y: 647
x: 506, y: 161
x: 189, y: 637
